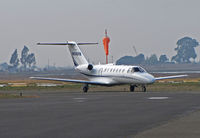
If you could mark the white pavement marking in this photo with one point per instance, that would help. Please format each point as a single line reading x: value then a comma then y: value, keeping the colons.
x: 158, y: 98
x: 80, y: 100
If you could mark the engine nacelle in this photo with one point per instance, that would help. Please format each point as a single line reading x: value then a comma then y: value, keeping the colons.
x: 90, y: 67
x: 85, y: 67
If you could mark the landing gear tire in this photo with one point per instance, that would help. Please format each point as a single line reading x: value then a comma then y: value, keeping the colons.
x: 144, y: 89
x: 85, y: 88
x: 132, y: 88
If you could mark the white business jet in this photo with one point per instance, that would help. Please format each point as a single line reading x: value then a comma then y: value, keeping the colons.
x: 105, y: 75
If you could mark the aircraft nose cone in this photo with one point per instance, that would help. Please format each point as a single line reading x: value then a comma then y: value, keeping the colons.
x: 149, y: 79
x: 152, y: 80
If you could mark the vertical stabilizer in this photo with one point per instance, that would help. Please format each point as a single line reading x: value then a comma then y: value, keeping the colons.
x: 77, y: 56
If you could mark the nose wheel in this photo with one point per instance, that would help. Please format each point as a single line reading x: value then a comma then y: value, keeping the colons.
x: 85, y: 88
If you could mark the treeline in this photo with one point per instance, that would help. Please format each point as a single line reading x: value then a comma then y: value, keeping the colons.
x: 27, y: 61
x: 185, y: 54
x: 140, y: 59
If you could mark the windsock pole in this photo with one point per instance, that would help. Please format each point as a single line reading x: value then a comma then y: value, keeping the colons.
x: 106, y: 59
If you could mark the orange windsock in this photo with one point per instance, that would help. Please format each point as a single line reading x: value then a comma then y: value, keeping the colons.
x: 106, y: 41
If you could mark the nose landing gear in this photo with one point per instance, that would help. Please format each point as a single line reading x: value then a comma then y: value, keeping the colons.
x: 144, y: 89
x: 85, y: 88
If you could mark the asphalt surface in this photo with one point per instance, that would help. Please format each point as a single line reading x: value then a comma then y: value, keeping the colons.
x: 99, y: 114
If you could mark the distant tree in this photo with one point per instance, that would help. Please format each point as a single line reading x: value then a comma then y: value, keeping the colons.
x: 139, y: 59
x: 185, y: 50
x: 129, y: 60
x: 14, y: 61
x: 163, y: 59
x: 24, y: 55
x: 4, y: 66
x: 31, y: 60
x: 152, y: 60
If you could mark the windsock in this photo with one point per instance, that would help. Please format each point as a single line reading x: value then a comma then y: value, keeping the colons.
x: 106, y: 41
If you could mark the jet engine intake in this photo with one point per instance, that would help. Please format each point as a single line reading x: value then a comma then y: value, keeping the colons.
x: 90, y: 67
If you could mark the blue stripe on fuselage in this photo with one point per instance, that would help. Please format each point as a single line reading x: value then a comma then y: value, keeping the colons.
x: 109, y: 76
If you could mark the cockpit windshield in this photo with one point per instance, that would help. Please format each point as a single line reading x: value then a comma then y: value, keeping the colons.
x: 138, y: 69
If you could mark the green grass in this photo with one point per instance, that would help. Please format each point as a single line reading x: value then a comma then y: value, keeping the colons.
x: 184, y: 86
x: 156, y: 87
x: 9, y: 96
x: 34, y: 87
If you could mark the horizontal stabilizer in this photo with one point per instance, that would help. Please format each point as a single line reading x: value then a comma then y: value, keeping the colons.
x: 170, y: 77
x: 87, y: 43
x: 67, y: 43
x: 52, y: 43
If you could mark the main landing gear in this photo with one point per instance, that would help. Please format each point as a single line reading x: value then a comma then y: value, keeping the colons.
x: 85, y: 88
x: 132, y: 88
x: 144, y: 89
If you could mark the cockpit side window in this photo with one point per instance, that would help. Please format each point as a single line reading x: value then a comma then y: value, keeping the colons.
x: 138, y: 69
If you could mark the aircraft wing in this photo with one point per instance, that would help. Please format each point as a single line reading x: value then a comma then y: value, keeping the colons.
x: 71, y: 80
x: 170, y: 77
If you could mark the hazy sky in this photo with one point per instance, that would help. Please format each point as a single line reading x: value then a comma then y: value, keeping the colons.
x: 152, y: 26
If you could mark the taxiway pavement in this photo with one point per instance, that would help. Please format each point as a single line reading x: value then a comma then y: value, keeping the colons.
x: 95, y: 114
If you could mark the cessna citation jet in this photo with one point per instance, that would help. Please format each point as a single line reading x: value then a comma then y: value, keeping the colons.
x: 105, y: 75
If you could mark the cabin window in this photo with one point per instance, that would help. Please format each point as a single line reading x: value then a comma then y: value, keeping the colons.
x: 117, y: 70
x: 129, y: 70
x: 110, y: 70
x: 123, y: 70
x: 101, y: 70
x: 132, y: 70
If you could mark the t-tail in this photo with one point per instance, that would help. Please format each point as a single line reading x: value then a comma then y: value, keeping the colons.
x: 77, y: 56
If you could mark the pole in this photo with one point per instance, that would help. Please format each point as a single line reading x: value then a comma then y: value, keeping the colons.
x: 106, y: 59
